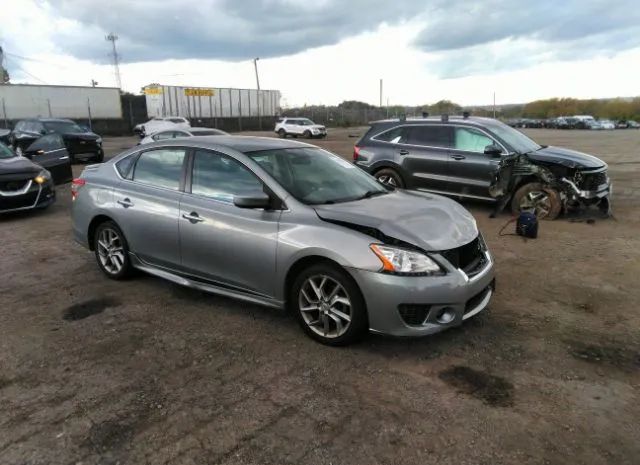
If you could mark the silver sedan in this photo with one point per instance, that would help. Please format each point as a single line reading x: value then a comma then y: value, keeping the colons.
x: 288, y: 225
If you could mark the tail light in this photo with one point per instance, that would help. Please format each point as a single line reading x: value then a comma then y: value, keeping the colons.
x: 356, y: 152
x: 76, y: 184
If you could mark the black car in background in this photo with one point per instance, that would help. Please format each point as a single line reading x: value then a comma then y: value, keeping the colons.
x: 4, y: 136
x: 25, y: 185
x: 81, y: 143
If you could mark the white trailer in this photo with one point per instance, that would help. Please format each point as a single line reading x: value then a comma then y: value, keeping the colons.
x: 18, y: 101
x: 210, y: 102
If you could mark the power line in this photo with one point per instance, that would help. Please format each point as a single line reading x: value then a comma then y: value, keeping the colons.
x: 25, y: 71
x: 116, y: 68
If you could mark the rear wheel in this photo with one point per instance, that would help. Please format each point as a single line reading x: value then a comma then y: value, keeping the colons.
x: 328, y: 305
x: 112, y: 251
x: 282, y: 133
x: 390, y: 177
x: 542, y: 200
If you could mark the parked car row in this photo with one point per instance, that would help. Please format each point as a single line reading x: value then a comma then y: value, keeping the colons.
x: 573, y: 122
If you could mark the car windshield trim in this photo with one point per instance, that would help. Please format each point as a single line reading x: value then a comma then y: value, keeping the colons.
x: 515, y: 139
x: 315, y: 176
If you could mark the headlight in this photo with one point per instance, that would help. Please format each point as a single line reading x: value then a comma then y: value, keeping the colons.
x: 99, y: 141
x: 42, y: 177
x: 402, y: 261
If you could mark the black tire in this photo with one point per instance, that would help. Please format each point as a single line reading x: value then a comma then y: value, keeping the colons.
x: 126, y: 269
x: 390, y: 177
x: 359, y: 322
x: 99, y: 157
x: 547, y: 209
x: 307, y: 134
x: 282, y: 134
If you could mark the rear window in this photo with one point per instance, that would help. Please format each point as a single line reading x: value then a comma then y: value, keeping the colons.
x: 430, y: 136
x: 395, y: 136
x: 161, y: 168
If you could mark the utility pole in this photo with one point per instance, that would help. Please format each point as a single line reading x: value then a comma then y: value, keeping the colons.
x: 380, y: 92
x: 116, y: 68
x: 255, y: 65
x: 4, y: 74
x: 94, y: 83
x: 494, y: 105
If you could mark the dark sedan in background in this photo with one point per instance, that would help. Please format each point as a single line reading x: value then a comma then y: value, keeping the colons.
x: 81, y: 143
x: 4, y: 136
x: 25, y: 185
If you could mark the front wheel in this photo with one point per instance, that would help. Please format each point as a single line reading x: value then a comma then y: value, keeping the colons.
x: 307, y: 134
x: 542, y: 200
x: 112, y: 251
x: 282, y: 134
x: 328, y: 305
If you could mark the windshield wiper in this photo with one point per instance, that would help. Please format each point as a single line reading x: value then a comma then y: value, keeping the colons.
x: 371, y: 193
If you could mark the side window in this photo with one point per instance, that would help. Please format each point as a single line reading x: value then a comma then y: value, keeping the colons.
x: 430, y: 136
x: 292, y: 122
x: 221, y: 177
x: 162, y: 168
x: 47, y: 143
x: 395, y: 136
x: 124, y: 166
x: 471, y: 140
x: 163, y: 135
x: 19, y: 126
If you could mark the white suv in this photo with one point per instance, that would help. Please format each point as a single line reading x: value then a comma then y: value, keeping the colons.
x: 299, y: 127
x: 159, y: 123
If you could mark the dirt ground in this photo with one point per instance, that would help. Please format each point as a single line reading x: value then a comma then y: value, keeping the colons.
x: 94, y: 371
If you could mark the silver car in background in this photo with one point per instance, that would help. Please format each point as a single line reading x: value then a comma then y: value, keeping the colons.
x: 286, y: 224
x: 176, y: 133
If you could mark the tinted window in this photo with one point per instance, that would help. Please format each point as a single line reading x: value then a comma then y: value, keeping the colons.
x: 292, y: 121
x: 62, y: 126
x: 5, y: 152
x: 471, y: 140
x: 221, y: 177
x: 162, y: 167
x: 431, y: 136
x: 395, y: 135
x: 207, y: 132
x: 163, y: 135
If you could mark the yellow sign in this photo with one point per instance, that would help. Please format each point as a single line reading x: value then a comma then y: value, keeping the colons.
x: 198, y: 92
x: 153, y: 90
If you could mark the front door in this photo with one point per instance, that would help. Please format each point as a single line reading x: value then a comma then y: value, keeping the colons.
x: 147, y: 206
x: 423, y: 152
x: 471, y: 171
x: 50, y: 152
x: 235, y: 247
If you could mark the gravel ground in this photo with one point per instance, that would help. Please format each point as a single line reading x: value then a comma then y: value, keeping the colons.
x: 100, y: 372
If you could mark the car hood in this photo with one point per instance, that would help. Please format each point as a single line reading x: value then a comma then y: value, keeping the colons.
x: 427, y: 221
x: 566, y: 157
x: 18, y: 165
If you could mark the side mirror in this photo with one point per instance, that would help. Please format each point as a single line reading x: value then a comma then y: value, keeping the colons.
x: 257, y: 200
x: 493, y: 151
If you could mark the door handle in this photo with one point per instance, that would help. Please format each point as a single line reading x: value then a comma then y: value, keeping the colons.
x: 403, y: 152
x: 458, y: 157
x: 126, y: 203
x: 193, y: 217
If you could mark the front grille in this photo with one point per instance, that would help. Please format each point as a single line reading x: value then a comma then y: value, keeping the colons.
x: 12, y: 186
x: 414, y: 314
x: 469, y: 257
x: 19, y: 201
x: 591, y: 181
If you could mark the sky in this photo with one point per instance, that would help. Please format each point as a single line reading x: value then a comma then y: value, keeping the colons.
x: 327, y: 51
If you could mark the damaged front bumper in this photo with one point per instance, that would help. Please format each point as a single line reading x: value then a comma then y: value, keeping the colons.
x: 589, y: 188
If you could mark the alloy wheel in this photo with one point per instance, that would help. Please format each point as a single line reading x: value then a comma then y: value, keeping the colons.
x: 537, y: 202
x: 111, y: 251
x: 325, y: 306
x: 388, y: 180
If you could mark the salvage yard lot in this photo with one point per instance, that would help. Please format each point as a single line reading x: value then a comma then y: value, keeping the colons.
x: 97, y: 371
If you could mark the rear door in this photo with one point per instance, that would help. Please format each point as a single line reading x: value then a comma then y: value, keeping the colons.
x: 471, y: 172
x: 147, y: 205
x: 424, y: 154
x: 232, y: 246
x: 50, y: 152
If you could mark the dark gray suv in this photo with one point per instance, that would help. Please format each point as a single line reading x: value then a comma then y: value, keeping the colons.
x: 485, y: 159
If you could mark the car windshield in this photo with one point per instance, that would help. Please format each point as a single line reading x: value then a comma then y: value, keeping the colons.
x: 515, y: 139
x: 5, y: 152
x: 62, y: 126
x: 315, y: 176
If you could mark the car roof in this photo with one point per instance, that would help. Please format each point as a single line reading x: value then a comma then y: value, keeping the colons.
x: 50, y: 120
x: 469, y: 120
x: 243, y: 143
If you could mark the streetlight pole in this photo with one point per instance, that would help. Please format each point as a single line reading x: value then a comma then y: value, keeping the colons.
x: 255, y: 65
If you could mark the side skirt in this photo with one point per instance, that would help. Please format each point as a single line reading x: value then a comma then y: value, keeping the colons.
x: 204, y: 285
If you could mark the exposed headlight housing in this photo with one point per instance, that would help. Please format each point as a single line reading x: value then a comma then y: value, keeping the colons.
x: 42, y: 177
x: 407, y: 262
x: 99, y: 141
